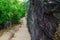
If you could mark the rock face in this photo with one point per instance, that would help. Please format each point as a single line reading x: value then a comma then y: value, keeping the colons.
x: 6, y: 24
x: 41, y: 24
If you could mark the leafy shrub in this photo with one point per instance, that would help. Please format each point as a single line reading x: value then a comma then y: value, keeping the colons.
x: 11, y: 10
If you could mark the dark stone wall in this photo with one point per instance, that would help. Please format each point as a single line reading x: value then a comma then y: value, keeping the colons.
x: 42, y: 25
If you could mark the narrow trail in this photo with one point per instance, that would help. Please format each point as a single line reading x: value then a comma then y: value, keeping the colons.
x: 19, y: 32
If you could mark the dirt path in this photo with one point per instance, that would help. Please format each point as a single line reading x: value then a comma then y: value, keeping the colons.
x: 18, y: 33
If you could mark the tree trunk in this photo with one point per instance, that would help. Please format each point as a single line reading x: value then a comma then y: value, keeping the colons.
x: 41, y: 25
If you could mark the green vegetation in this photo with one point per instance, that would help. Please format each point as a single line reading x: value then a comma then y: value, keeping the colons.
x: 11, y: 10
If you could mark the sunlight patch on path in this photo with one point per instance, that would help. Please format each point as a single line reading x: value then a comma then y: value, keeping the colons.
x: 23, y: 33
x: 18, y: 32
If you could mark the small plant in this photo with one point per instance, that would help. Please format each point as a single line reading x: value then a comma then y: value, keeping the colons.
x: 11, y: 10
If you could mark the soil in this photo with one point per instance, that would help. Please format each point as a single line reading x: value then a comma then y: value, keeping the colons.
x: 17, y: 32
